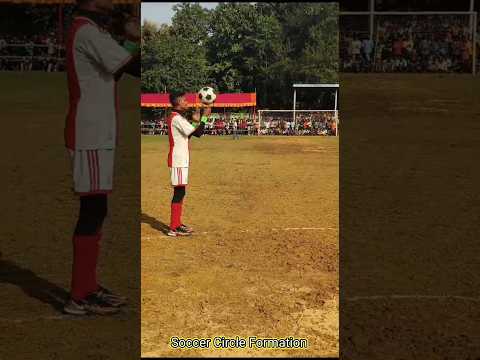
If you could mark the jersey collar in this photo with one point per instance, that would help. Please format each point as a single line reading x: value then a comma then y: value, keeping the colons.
x: 101, y: 20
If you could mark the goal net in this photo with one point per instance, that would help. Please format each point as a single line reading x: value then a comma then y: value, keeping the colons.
x: 298, y: 122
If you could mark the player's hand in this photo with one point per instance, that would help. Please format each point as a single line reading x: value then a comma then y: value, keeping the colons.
x: 196, y: 115
x: 207, y: 111
x: 132, y: 29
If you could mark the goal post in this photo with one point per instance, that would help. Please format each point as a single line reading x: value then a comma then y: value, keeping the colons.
x: 335, y: 87
x: 306, y: 122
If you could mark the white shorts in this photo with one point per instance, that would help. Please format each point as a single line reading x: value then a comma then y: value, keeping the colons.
x: 179, y: 176
x: 92, y: 171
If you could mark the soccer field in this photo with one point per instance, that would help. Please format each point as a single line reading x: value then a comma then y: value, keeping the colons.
x: 409, y: 211
x: 264, y: 259
x: 39, y: 212
x: 247, y: 271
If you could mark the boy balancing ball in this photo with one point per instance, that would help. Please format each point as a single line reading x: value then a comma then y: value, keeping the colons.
x: 180, y: 131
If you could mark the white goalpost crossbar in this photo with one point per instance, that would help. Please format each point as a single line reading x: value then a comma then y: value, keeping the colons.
x: 273, y: 110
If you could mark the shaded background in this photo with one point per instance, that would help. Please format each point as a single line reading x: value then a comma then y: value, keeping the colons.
x: 409, y: 201
x: 39, y: 209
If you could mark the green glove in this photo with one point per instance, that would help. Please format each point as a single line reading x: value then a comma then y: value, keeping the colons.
x: 131, y: 47
x: 203, y: 119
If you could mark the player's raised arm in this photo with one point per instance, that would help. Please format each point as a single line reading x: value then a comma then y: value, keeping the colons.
x: 98, y: 44
x: 200, y: 122
x: 132, y: 45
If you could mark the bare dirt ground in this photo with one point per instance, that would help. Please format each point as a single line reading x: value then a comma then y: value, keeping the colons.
x: 39, y: 212
x: 264, y: 259
x: 409, y: 216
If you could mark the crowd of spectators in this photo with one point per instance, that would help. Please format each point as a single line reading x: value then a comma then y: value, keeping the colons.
x: 27, y: 53
x: 217, y: 126
x: 313, y: 123
x: 422, y: 43
x: 319, y: 124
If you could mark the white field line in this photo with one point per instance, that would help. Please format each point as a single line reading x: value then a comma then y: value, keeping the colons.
x: 407, y: 297
x: 37, y: 318
x: 60, y: 317
x: 272, y: 229
x: 276, y: 229
x: 306, y: 228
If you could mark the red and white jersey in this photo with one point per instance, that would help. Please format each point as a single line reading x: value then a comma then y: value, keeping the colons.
x: 93, y: 57
x: 179, y: 130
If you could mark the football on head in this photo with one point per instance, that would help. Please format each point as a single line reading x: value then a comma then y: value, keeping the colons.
x: 207, y: 95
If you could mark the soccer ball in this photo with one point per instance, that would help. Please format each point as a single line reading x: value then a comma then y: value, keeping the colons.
x: 207, y: 95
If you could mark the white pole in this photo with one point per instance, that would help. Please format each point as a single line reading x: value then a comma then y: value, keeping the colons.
x: 336, y: 112
x: 472, y: 8
x: 336, y: 99
x: 259, y: 121
x: 336, y: 123
x: 474, y: 44
x: 294, y: 107
x: 372, y: 11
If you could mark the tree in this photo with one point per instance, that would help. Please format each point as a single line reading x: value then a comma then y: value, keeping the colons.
x: 149, y: 30
x: 171, y: 63
x: 191, y: 22
x: 309, y: 36
x: 240, y: 47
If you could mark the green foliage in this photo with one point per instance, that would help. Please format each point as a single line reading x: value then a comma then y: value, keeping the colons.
x: 191, y: 22
x: 172, y: 63
x: 243, y: 47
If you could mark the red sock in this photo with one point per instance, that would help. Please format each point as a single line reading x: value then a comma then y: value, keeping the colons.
x: 84, y: 269
x: 176, y: 215
x: 180, y: 214
x: 94, y: 285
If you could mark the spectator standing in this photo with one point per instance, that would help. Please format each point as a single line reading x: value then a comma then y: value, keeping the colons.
x: 356, y: 49
x: 29, y: 60
x: 235, y: 128
x: 3, y: 45
x: 51, y: 47
x: 367, y: 49
x: 398, y: 48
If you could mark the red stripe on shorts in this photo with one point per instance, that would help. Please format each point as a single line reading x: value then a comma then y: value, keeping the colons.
x: 97, y: 171
x: 90, y: 170
x: 93, y: 167
x: 92, y: 155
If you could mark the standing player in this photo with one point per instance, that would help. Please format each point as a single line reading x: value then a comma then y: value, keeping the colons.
x: 235, y: 130
x: 180, y: 131
x: 95, y: 62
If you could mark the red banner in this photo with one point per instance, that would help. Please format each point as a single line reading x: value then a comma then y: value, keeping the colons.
x: 223, y: 100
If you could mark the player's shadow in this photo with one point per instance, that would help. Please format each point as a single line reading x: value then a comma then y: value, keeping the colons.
x: 154, y: 223
x: 32, y: 285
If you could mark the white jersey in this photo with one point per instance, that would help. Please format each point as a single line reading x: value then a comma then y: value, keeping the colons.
x: 93, y: 57
x: 179, y: 129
